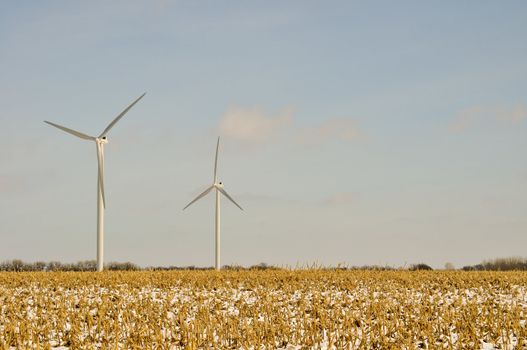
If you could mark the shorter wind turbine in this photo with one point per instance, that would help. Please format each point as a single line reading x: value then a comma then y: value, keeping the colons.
x: 218, y: 186
x: 100, y: 141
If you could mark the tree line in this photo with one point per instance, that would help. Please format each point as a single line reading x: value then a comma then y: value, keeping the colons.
x: 499, y: 264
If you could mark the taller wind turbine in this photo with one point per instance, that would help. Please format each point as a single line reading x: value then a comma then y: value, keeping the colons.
x: 218, y: 186
x: 100, y: 141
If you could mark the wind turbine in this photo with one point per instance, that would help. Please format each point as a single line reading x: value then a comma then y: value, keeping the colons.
x: 100, y: 141
x: 218, y: 186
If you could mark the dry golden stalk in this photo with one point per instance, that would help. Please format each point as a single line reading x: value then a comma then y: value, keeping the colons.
x: 309, y: 309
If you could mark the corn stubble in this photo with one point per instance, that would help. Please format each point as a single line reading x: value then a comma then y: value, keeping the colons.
x: 308, y: 309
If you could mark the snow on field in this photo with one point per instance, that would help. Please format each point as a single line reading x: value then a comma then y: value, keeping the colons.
x: 287, y: 312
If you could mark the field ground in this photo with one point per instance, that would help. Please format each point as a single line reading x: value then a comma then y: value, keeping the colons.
x: 273, y: 309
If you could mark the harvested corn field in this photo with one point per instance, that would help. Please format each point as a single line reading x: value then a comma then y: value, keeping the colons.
x: 274, y: 309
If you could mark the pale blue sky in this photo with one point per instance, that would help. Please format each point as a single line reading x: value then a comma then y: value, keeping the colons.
x: 353, y: 132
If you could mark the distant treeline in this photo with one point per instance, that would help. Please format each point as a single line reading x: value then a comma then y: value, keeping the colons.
x: 500, y: 264
x: 88, y: 265
x: 91, y: 265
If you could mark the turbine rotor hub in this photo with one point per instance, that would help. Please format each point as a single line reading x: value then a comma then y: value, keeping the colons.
x: 102, y: 140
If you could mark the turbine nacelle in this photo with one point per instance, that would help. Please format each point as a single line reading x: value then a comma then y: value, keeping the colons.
x: 219, y: 185
x: 101, y: 140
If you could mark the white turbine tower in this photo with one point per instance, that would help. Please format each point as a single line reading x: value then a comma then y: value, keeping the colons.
x: 100, y: 141
x: 218, y: 186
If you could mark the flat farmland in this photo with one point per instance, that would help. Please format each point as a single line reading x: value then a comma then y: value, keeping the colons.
x: 271, y: 309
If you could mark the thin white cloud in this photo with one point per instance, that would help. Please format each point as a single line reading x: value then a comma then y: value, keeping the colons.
x: 464, y: 119
x: 343, y: 129
x: 10, y: 184
x: 471, y: 117
x: 342, y: 198
x: 252, y: 124
x: 515, y: 115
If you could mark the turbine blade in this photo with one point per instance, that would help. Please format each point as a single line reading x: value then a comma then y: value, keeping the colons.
x: 120, y: 116
x: 100, y: 161
x: 203, y: 194
x: 71, y: 131
x: 227, y: 195
x: 216, y: 161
